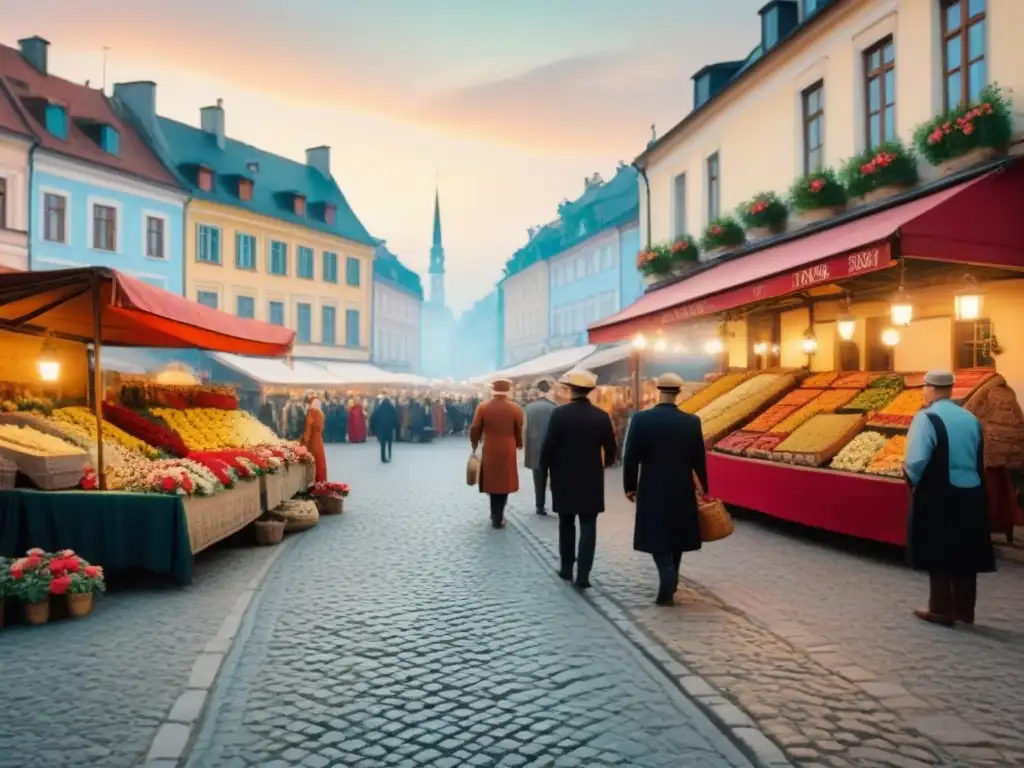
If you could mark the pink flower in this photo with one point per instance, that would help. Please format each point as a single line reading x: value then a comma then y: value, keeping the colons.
x: 59, y: 585
x: 968, y: 128
x: 35, y: 552
x: 817, y: 185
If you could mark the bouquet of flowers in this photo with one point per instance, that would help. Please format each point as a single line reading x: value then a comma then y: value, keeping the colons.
x: 338, y: 490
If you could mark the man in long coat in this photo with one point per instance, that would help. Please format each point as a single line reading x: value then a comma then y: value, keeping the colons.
x: 498, y: 423
x: 384, y: 425
x: 578, y: 447
x: 664, y: 449
x: 538, y: 414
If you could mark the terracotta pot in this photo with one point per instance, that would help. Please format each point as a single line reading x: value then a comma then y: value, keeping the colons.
x: 820, y: 214
x: 37, y: 613
x: 684, y: 268
x: 760, y: 233
x: 269, y: 532
x: 3, y: 612
x: 883, y: 193
x: 79, y: 604
x: 965, y: 161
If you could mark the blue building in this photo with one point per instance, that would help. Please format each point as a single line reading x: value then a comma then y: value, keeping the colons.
x: 98, y: 195
x: 593, y: 274
x: 478, y: 338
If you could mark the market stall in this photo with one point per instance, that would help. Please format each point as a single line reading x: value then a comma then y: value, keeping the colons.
x: 178, y: 466
x: 824, y: 335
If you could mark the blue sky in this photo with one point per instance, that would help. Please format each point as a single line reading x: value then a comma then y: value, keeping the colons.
x: 509, y: 104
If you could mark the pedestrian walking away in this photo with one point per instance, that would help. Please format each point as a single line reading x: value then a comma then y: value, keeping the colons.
x: 384, y: 424
x: 578, y: 447
x: 313, y: 438
x: 538, y: 414
x: 947, y: 530
x: 664, y: 450
x: 498, y: 424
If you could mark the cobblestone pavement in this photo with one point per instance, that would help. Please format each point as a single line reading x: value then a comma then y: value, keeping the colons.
x: 817, y: 644
x: 93, y: 692
x: 408, y: 632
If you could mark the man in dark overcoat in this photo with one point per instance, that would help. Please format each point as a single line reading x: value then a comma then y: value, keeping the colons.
x: 538, y: 414
x: 664, y: 449
x: 578, y: 446
x: 384, y: 425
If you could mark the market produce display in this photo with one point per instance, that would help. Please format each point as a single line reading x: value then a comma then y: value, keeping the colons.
x: 858, y: 453
x: 889, y: 460
x: 715, y: 389
x: 819, y: 439
x: 80, y: 423
x: 800, y: 396
x: 32, y: 442
x: 736, y: 443
x: 872, y: 399
x: 771, y: 417
x: 209, y: 429
x: 820, y: 380
x: 888, y: 381
x: 737, y: 405
x: 827, y: 402
x: 967, y: 381
x: 763, y: 447
x: 858, y: 380
x: 145, y: 394
x: 900, y: 412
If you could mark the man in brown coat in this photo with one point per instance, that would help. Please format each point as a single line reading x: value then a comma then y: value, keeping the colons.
x: 499, y: 424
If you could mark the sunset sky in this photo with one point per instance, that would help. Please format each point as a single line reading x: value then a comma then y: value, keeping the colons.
x: 508, y: 103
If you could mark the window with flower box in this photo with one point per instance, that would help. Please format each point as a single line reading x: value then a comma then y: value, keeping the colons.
x: 880, y: 92
x: 713, y: 187
x: 814, y: 127
x: 679, y: 205
x: 964, y: 68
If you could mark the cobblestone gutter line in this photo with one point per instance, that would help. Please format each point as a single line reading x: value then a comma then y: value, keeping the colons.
x: 723, y: 713
x: 820, y: 707
x: 175, y: 734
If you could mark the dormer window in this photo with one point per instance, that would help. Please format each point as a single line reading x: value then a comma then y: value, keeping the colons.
x: 702, y: 89
x: 298, y: 205
x: 204, y: 179
x: 245, y: 189
x: 329, y: 213
x: 253, y: 166
x: 57, y: 120
x: 110, y: 140
x: 770, y: 27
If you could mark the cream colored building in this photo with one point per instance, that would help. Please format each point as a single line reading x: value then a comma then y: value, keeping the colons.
x: 14, y: 175
x: 526, y: 313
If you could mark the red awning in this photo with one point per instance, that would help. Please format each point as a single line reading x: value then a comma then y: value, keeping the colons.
x: 973, y: 222
x: 133, y: 314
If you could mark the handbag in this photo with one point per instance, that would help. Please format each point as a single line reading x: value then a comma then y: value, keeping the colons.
x: 715, y: 520
x: 472, y: 469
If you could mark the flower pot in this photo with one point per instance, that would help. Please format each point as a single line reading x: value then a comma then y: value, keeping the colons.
x: 656, y: 277
x: 965, y: 161
x: 3, y: 612
x: 37, y: 613
x: 331, y: 505
x: 269, y: 532
x: 820, y: 214
x: 713, y: 253
x: 883, y: 193
x: 760, y: 233
x: 79, y: 604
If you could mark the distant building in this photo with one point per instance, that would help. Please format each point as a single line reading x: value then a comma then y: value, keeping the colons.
x: 477, y: 340
x: 98, y: 196
x: 397, y: 309
x: 266, y: 237
x: 438, y: 323
x: 524, y: 298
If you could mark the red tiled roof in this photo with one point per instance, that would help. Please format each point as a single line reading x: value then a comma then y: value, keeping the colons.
x: 10, y: 117
x: 23, y: 81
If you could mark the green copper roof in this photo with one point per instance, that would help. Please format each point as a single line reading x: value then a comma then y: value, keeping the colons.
x: 275, y: 179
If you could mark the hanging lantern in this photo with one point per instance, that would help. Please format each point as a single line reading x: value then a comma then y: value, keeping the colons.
x: 660, y: 345
x: 809, y: 343
x: 640, y: 341
x: 761, y: 348
x: 901, y: 310
x: 890, y: 337
x: 714, y: 346
x: 967, y: 301
x: 49, y: 365
x: 846, y: 327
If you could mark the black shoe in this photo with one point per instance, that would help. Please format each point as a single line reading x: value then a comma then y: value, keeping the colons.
x: 664, y: 600
x: 497, y: 523
x: 582, y: 583
x: 564, y: 574
x: 542, y: 512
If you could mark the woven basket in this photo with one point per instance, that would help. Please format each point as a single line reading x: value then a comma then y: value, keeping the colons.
x: 331, y: 505
x: 715, y: 520
x: 472, y: 470
x: 269, y: 532
x: 299, y: 516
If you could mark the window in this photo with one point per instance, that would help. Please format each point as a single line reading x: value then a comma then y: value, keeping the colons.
x: 303, y: 323
x: 275, y: 312
x: 352, y: 271
x: 245, y: 306
x: 245, y: 251
x: 880, y: 92
x: 205, y: 179
x: 104, y: 227
x: 304, y: 262
x: 110, y: 140
x: 155, y: 230
x: 770, y: 31
x: 330, y: 267
x: 57, y: 121
x: 352, y: 327
x: 208, y: 244
x: 278, y: 258
x: 581, y: 267
x: 593, y: 262
x: 55, y: 210
x: 607, y: 258
x: 245, y: 189
x: 679, y: 205
x: 814, y: 121
x: 3, y: 203
x: 810, y: 6
x: 329, y: 321
x: 208, y: 298
x: 702, y: 90
x: 713, y: 187
x: 963, y: 51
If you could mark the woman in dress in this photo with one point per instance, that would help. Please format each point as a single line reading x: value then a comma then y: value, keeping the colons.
x: 313, y: 439
x: 356, y: 422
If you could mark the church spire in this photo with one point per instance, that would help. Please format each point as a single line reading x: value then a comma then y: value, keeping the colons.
x: 437, y: 219
x: 437, y: 257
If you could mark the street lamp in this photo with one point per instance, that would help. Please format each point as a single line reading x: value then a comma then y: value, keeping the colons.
x: 639, y: 342
x: 967, y: 301
x: 809, y: 343
x: 846, y: 324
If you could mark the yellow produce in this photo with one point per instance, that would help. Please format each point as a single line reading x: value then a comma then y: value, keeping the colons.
x: 211, y: 429
x: 32, y: 441
x: 820, y: 433
x: 81, y: 422
x: 715, y: 389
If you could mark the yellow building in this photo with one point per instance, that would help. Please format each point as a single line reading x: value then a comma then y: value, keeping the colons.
x: 267, y: 237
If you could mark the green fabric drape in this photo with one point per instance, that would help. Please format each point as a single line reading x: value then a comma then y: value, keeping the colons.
x: 114, y: 530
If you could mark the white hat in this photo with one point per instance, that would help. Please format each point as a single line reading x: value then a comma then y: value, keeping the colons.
x: 669, y: 382
x: 580, y: 379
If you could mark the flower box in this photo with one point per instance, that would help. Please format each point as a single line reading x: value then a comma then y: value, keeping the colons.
x: 721, y: 235
x: 818, y: 196
x: 880, y: 172
x: 969, y: 134
x: 968, y: 160
x: 764, y: 215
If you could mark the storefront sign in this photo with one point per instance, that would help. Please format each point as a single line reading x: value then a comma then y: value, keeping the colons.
x: 828, y: 271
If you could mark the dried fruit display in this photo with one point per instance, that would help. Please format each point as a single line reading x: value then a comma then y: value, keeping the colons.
x: 820, y: 438
x: 770, y: 418
x: 800, y: 396
x: 857, y: 380
x: 900, y: 412
x: 827, y: 402
x: 820, y: 380
x: 872, y: 399
x: 763, y: 447
x: 888, y: 381
x: 715, y: 389
x: 736, y: 443
x: 857, y: 453
x: 889, y: 460
x: 739, y: 404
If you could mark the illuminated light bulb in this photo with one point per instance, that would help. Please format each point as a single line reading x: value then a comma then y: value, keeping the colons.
x: 890, y: 337
x: 714, y: 346
x: 901, y: 310
x: 967, y: 306
x: 846, y: 327
x: 639, y: 341
x: 761, y: 348
x: 660, y: 345
x: 49, y: 370
x: 809, y: 343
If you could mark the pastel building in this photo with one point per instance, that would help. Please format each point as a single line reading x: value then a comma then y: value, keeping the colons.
x: 16, y: 139
x: 524, y: 296
x: 98, y: 195
x: 266, y: 237
x: 397, y: 309
x: 477, y: 338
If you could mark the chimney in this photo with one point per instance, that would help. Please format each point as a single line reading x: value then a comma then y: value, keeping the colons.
x: 34, y: 50
x: 211, y: 120
x: 319, y: 158
x: 140, y: 99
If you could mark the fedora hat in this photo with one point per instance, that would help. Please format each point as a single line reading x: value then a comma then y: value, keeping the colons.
x: 669, y: 382
x: 501, y: 386
x: 579, y: 379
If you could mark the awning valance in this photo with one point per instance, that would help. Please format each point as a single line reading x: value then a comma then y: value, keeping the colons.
x: 971, y: 222
x: 277, y: 371
x: 550, y: 362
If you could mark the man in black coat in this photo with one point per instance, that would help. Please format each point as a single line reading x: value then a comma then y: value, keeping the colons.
x: 578, y: 446
x: 384, y: 424
x: 664, y: 449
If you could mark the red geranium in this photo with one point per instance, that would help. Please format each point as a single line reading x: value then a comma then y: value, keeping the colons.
x: 58, y: 566
x: 168, y: 484
x: 93, y: 571
x: 60, y: 585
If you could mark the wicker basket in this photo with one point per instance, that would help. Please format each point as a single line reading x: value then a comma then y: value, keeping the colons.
x: 331, y: 505
x: 213, y: 518
x: 269, y: 532
x: 299, y: 516
x: 715, y: 520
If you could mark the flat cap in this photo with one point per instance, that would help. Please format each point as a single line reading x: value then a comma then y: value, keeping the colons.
x: 580, y: 379
x: 939, y: 379
x: 669, y: 382
x: 503, y: 386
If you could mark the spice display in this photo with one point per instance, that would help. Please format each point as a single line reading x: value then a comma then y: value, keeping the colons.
x: 857, y: 453
x: 912, y: 380
x: 857, y: 380
x: 889, y: 460
x: 800, y: 396
x: 34, y: 443
x: 827, y: 402
x: 969, y: 380
x: 900, y: 412
x: 888, y: 381
x: 770, y: 418
x: 763, y: 447
x: 736, y: 443
x: 736, y: 406
x: 820, y: 380
x: 713, y: 390
x: 754, y: 387
x: 820, y: 438
x: 872, y: 399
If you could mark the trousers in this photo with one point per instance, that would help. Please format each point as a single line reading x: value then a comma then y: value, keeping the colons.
x: 385, y: 449
x: 668, y: 572
x: 498, y: 502
x: 540, y: 487
x: 584, y: 559
x: 953, y: 597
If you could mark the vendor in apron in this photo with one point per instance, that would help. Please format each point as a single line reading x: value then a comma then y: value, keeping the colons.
x: 947, y: 530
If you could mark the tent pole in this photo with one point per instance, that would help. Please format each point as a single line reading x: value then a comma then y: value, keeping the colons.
x: 97, y: 378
